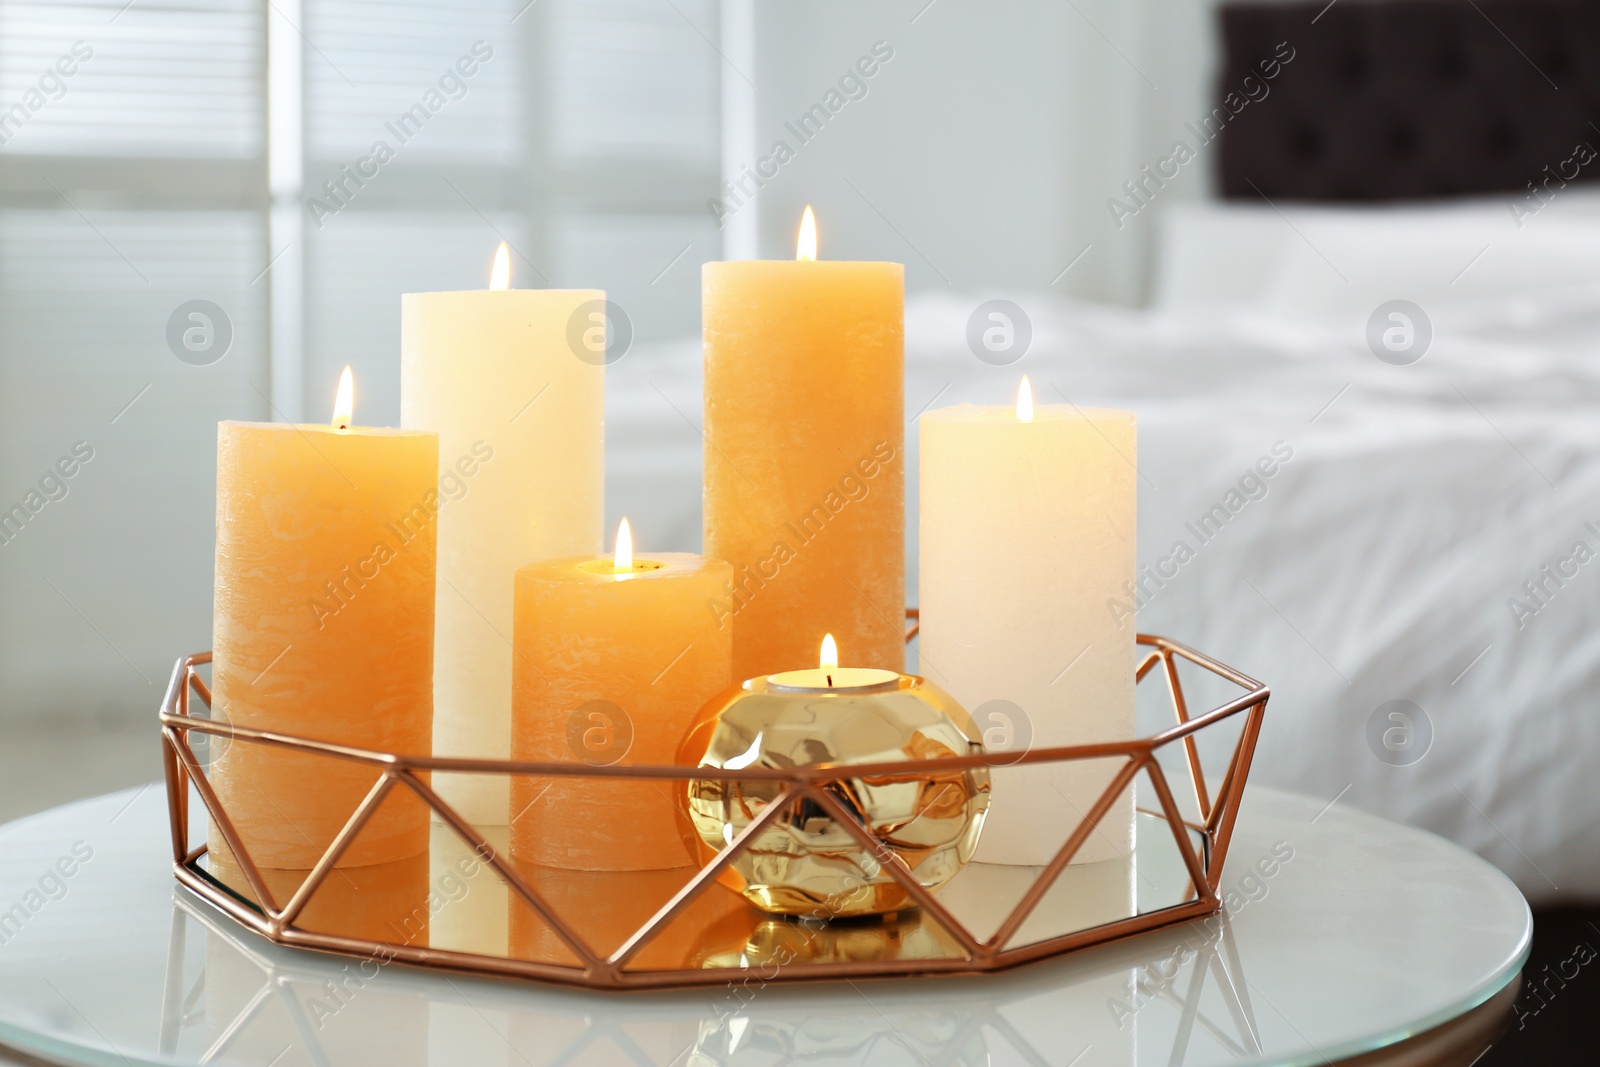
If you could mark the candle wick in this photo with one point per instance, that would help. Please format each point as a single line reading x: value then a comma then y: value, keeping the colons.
x: 830, y: 680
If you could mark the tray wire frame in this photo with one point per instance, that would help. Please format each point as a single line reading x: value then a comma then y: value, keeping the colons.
x: 276, y: 921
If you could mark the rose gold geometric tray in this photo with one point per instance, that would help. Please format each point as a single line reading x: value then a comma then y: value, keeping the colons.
x: 466, y: 906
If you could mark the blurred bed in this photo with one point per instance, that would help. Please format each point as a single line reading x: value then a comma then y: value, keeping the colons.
x: 1430, y: 531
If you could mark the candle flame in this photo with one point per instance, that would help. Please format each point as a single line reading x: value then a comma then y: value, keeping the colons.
x: 1025, y: 401
x: 622, y: 558
x: 806, y: 246
x: 830, y: 653
x: 344, y: 401
x: 500, y: 274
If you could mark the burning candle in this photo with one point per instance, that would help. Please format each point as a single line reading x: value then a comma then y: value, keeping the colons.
x: 1027, y: 537
x: 806, y: 863
x: 828, y: 677
x: 520, y: 409
x: 804, y: 475
x: 323, y: 628
x: 614, y: 656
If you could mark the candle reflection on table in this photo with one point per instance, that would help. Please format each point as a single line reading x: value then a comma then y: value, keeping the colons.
x: 1173, y: 997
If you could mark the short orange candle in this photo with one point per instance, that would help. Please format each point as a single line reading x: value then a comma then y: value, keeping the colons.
x: 323, y: 628
x: 613, y: 658
x: 804, y: 457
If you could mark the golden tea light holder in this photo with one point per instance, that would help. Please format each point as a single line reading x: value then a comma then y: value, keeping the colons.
x: 703, y: 933
x: 807, y: 863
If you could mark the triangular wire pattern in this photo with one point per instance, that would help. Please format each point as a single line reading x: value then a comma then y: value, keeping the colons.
x: 528, y: 895
x: 1191, y: 751
x: 1047, y: 878
x: 594, y: 968
x: 703, y: 880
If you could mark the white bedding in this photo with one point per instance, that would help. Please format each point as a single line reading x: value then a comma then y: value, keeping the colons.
x: 1378, y: 564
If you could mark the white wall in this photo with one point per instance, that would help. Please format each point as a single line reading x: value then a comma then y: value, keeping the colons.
x: 984, y: 152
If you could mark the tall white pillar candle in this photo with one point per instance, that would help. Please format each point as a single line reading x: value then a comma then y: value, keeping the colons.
x: 513, y: 385
x: 1027, y: 535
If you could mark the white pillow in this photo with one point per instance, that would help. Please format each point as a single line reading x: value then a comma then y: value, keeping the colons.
x: 1216, y: 254
x: 1341, y: 262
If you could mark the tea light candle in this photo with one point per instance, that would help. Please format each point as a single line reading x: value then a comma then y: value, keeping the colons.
x: 1027, y: 539
x: 829, y: 677
x: 520, y: 417
x: 614, y: 657
x: 323, y: 628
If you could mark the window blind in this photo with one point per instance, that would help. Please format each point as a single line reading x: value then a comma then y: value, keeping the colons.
x: 585, y: 131
x: 375, y: 61
x: 173, y: 78
x: 634, y: 79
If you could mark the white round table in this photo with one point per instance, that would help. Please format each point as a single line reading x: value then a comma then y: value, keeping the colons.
x: 1367, y: 933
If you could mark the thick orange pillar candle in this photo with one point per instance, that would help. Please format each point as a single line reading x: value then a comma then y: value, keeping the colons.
x: 323, y: 628
x: 613, y: 659
x: 804, y: 458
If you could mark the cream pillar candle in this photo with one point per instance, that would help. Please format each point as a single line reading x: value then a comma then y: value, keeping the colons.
x: 476, y: 903
x: 1027, y: 533
x: 520, y: 417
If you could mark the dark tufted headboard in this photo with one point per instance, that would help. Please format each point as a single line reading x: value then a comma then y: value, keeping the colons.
x: 1405, y: 99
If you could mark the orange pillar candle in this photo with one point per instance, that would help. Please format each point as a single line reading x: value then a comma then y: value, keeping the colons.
x: 804, y: 464
x: 323, y: 628
x: 613, y: 658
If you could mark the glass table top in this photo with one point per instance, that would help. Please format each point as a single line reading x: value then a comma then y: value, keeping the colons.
x: 104, y: 959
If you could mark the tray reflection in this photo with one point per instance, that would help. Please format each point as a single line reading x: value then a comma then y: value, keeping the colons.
x: 451, y: 899
x: 229, y: 994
